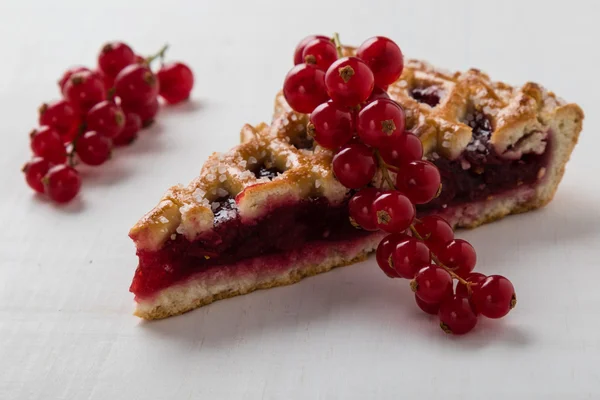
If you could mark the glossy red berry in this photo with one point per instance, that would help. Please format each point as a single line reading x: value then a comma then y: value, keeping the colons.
x: 394, y: 212
x: 377, y: 94
x: 60, y: 115
x: 147, y: 112
x: 419, y: 181
x: 429, y: 308
x: 459, y: 256
x: 34, y: 170
x: 354, y: 165
x: 379, y: 121
x: 361, y: 210
x: 298, y: 59
x: 330, y: 125
x: 136, y: 84
x: 435, y: 231
x: 68, y: 73
x: 320, y: 52
x: 62, y: 183
x: 432, y: 284
x: 133, y: 124
x: 400, y: 150
x: 176, y: 82
x: 384, y: 253
x: 475, y: 278
x: 457, y: 315
x: 349, y: 81
x: 114, y: 57
x: 495, y: 297
x: 304, y: 88
x: 410, y: 256
x: 47, y: 143
x: 384, y: 58
x: 84, y: 90
x: 106, y: 118
x: 93, y: 148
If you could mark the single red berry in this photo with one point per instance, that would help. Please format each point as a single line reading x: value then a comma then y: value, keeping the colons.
x: 429, y: 308
x: 331, y: 126
x: 377, y: 94
x: 133, y: 124
x: 319, y: 52
x: 349, y: 81
x: 47, y: 143
x: 35, y: 169
x: 60, y: 115
x: 136, y: 84
x: 298, y: 59
x: 400, y: 150
x: 384, y: 58
x: 410, y: 256
x: 475, y: 278
x: 106, y: 118
x: 62, y: 183
x: 457, y: 315
x: 394, y: 211
x: 114, y: 57
x: 380, y: 120
x: 459, y: 256
x: 435, y: 231
x: 147, y: 112
x: 176, y: 82
x: 495, y: 297
x: 304, y: 88
x: 361, y: 210
x: 93, y: 148
x: 432, y: 284
x: 84, y: 90
x: 384, y: 253
x: 354, y: 165
x: 419, y: 180
x: 68, y: 73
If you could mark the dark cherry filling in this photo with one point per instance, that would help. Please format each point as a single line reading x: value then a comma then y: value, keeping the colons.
x: 429, y: 95
x: 285, y: 228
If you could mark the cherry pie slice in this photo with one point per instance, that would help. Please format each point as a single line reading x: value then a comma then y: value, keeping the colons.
x: 270, y: 212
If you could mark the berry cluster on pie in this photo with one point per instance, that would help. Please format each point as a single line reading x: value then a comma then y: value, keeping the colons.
x: 274, y: 209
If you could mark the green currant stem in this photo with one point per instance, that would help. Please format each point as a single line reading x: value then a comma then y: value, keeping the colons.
x: 161, y: 54
x: 71, y: 153
x: 338, y: 45
x: 384, y: 170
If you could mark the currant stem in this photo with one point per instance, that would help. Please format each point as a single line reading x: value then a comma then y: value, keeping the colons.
x: 338, y: 45
x: 384, y: 170
x: 160, y: 54
x: 71, y: 153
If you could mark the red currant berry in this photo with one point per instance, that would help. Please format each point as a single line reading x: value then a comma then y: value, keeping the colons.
x: 354, y: 165
x: 109, y: 81
x: 361, y: 210
x: 410, y: 256
x: 136, y: 84
x: 400, y: 150
x: 93, y: 148
x: 62, y: 183
x: 459, y: 256
x: 320, y: 52
x: 384, y: 253
x: 429, y: 308
x: 68, y: 73
x: 349, y: 81
x: 114, y: 57
x: 133, y: 124
x: 377, y: 94
x: 147, y: 112
x: 47, y: 143
x: 475, y: 278
x: 432, y: 284
x: 84, y: 90
x: 384, y: 58
x: 35, y: 170
x: 176, y: 82
x: 106, y: 118
x: 380, y: 120
x: 298, y: 59
x: 330, y: 126
x: 59, y: 115
x: 495, y: 297
x: 457, y: 315
x: 304, y: 88
x: 435, y: 231
x: 419, y: 180
x: 394, y: 212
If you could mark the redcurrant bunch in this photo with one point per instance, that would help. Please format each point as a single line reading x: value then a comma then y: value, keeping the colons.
x: 352, y: 115
x: 100, y: 108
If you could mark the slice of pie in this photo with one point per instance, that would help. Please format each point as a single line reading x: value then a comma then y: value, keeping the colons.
x: 270, y: 212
